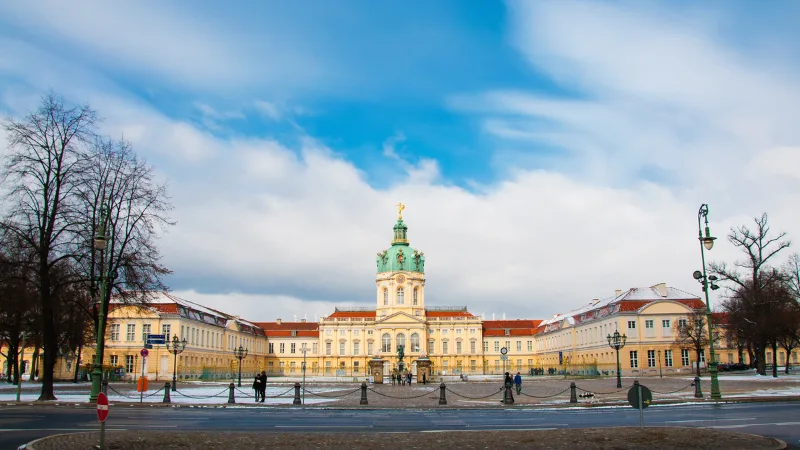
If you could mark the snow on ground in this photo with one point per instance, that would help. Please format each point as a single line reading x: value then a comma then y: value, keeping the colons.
x: 204, y: 394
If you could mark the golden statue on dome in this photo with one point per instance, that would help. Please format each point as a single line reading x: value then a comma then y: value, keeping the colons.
x: 400, y: 208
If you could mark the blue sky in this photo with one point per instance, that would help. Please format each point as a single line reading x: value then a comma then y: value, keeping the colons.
x: 529, y: 139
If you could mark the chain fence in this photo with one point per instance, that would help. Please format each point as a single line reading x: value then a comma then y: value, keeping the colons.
x: 224, y: 391
x: 404, y: 398
x: 134, y: 396
x: 544, y: 396
x: 320, y: 394
x: 672, y: 392
x: 474, y: 398
x: 602, y: 393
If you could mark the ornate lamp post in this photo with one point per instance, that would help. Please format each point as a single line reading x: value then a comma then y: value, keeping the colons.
x: 617, y: 341
x: 100, y: 242
x: 176, y: 347
x: 304, y: 349
x: 240, y: 354
x: 660, y: 375
x: 707, y: 243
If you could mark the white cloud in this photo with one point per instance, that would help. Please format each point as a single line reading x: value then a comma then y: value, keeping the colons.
x: 267, y: 229
x: 269, y: 109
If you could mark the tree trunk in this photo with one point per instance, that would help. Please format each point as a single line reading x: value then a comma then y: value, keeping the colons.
x: 35, y: 361
x: 77, y: 364
x: 761, y: 354
x: 697, y: 354
x: 50, y: 340
x: 774, y: 359
x: 788, y: 358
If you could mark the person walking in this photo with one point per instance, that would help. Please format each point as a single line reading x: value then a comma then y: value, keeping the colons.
x: 518, y: 383
x: 257, y: 386
x: 263, y: 385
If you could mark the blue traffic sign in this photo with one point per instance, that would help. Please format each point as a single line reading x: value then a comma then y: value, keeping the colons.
x: 156, y: 339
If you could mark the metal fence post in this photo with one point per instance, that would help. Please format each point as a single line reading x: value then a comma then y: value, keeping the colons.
x: 167, y: 398
x: 442, y: 398
x: 231, y: 396
x: 104, y: 387
x: 698, y: 393
x: 573, y: 394
x: 297, y: 400
x: 364, y: 394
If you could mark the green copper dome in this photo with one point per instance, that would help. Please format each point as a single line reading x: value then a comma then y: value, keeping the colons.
x: 400, y: 256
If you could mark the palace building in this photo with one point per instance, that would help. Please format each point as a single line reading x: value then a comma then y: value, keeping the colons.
x: 453, y: 339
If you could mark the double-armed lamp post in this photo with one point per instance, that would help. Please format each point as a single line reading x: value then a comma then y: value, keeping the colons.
x: 175, y: 347
x: 240, y: 354
x: 707, y: 243
x: 100, y: 242
x: 617, y: 341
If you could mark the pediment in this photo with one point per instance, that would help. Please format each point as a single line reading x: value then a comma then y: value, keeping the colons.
x: 400, y: 317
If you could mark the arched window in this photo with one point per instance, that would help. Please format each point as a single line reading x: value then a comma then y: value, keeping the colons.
x: 387, y: 343
x: 401, y: 341
x: 414, y: 342
x: 400, y: 296
x: 385, y: 296
x: 416, y: 299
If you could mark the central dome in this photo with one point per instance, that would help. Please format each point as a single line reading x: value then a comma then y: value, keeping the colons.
x: 400, y: 256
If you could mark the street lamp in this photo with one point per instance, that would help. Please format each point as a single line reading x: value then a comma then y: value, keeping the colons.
x: 304, y: 349
x: 617, y: 341
x: 176, y: 348
x: 707, y: 243
x: 660, y: 375
x: 100, y: 242
x: 240, y: 354
x: 68, y: 359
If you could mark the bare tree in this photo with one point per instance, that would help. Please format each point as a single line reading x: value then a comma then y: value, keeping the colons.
x: 121, y: 196
x: 789, y: 326
x: 691, y: 334
x: 44, y: 169
x: 750, y: 289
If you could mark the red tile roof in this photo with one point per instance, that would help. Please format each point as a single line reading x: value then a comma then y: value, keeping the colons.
x: 288, y: 333
x: 448, y: 314
x: 287, y: 326
x: 519, y: 323
x: 364, y: 314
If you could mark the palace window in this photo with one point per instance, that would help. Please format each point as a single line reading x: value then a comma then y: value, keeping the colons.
x: 355, y: 366
x: 282, y: 348
x: 315, y: 348
x: 414, y: 342
x: 485, y: 346
x: 431, y: 346
x: 401, y: 341
x: 634, y: 359
x: 682, y: 323
x: 385, y: 296
x: 131, y: 332
x: 146, y: 327
x: 115, y: 332
x: 114, y: 360
x: 341, y: 348
x: 530, y: 346
x: 129, y: 363
x: 292, y: 347
x: 400, y: 296
x: 497, y: 346
x: 458, y: 347
x: 292, y: 367
x: 472, y: 347
x: 519, y: 346
x: 651, y: 358
x: 631, y: 324
x: 369, y: 348
x: 271, y: 347
x: 444, y: 347
x: 328, y: 348
x: 356, y: 348
x: 386, y: 340
x: 685, y: 357
x: 416, y: 300
x: 342, y: 332
x: 472, y: 365
x: 668, y: 358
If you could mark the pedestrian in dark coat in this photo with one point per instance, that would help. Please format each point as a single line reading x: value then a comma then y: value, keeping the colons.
x: 257, y: 386
x: 263, y: 385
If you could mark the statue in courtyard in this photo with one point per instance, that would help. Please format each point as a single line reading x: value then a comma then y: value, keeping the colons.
x: 400, y: 354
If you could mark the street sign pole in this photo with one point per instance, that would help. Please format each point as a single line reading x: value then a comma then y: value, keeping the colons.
x: 102, y: 415
x: 142, y: 379
x: 641, y: 410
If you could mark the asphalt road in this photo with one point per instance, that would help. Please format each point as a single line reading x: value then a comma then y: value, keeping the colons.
x: 22, y: 424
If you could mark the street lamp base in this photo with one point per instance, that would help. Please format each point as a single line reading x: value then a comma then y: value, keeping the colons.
x: 712, y: 370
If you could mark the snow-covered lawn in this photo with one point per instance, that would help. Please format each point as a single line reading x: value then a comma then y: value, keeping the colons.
x: 187, y: 393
